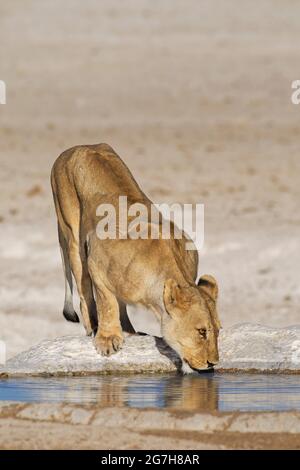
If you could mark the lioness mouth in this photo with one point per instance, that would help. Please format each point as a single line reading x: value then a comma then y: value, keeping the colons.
x: 186, y: 364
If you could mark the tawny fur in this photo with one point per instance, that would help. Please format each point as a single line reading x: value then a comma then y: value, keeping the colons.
x: 159, y: 274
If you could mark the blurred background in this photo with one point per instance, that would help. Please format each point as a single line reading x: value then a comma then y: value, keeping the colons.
x: 195, y: 96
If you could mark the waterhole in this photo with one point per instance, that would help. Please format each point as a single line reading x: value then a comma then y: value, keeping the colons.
x: 211, y: 391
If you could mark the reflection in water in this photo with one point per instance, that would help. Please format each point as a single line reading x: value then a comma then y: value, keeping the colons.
x: 187, y: 393
x: 197, y: 392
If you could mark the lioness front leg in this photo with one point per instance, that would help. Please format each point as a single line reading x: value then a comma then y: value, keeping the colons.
x: 109, y: 337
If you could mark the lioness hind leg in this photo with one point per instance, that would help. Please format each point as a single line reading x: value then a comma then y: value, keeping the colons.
x: 87, y: 301
x: 68, y: 311
x: 84, y: 288
x: 124, y: 319
x: 109, y: 337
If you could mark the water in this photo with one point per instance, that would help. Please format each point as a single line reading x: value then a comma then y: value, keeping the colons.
x: 210, y: 392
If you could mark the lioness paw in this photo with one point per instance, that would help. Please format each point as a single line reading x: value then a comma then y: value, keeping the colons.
x: 107, y: 345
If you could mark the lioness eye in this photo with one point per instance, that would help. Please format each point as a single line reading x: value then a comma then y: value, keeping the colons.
x: 202, y: 332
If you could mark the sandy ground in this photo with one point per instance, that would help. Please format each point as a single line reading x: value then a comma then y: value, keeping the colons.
x: 48, y: 426
x: 65, y: 436
x: 20, y: 435
x: 195, y: 96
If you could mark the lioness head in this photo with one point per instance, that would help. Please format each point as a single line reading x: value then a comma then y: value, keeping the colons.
x: 191, y: 325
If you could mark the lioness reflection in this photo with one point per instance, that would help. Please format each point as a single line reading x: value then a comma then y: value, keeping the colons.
x: 187, y: 393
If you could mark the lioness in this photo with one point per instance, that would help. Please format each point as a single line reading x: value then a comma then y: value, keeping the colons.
x: 159, y: 274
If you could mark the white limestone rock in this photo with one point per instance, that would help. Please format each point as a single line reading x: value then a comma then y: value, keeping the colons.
x: 250, y: 346
x: 242, y: 347
x: 77, y: 355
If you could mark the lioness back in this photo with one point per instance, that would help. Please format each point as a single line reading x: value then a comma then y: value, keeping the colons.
x: 94, y: 169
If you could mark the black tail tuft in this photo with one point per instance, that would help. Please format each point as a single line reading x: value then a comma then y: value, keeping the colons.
x: 71, y: 316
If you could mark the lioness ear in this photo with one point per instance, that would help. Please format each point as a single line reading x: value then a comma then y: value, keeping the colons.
x: 209, y: 286
x: 171, y: 293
